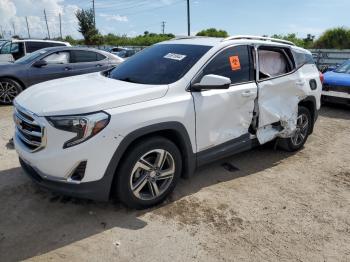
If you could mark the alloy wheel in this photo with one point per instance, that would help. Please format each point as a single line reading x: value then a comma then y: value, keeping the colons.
x: 8, y: 92
x: 152, y: 174
x: 301, y: 131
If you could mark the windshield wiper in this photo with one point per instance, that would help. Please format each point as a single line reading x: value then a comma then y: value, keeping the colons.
x: 127, y: 79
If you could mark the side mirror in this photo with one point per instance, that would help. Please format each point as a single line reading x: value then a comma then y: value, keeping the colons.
x: 40, y: 63
x: 212, y: 82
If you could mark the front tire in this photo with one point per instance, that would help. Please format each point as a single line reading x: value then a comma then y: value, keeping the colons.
x: 148, y: 173
x: 9, y: 89
x: 304, y: 125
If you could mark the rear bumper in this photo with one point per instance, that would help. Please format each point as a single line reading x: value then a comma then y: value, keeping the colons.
x: 333, y: 98
x: 96, y: 190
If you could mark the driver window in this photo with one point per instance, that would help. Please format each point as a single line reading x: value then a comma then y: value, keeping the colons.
x: 234, y: 63
x: 58, y: 58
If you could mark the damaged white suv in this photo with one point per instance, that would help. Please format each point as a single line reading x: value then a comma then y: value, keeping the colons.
x: 135, y: 130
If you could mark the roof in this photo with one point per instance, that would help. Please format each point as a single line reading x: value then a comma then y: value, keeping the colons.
x: 195, y: 40
x: 38, y: 40
x: 214, y: 41
x: 68, y: 48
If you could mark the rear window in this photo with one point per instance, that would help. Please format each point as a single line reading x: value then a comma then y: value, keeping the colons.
x: 159, y: 64
x: 302, y: 58
x: 80, y: 56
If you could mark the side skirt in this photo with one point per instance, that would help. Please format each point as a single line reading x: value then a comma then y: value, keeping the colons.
x: 229, y: 148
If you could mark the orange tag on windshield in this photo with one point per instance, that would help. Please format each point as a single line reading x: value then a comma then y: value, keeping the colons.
x: 235, y: 63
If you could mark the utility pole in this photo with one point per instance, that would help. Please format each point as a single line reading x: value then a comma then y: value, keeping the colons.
x: 93, y: 9
x: 188, y: 18
x: 27, y: 27
x: 47, y: 26
x: 60, y: 26
x: 14, y: 28
x: 163, y: 27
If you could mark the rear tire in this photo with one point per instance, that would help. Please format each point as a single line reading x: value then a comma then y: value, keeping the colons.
x: 9, y: 89
x: 148, y: 173
x: 304, y: 126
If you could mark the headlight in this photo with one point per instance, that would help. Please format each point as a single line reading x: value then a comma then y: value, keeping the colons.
x: 85, y: 126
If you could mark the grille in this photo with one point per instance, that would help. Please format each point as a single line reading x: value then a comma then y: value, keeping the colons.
x: 28, y: 130
x: 343, y: 89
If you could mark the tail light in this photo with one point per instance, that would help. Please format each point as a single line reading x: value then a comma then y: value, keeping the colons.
x: 321, y: 77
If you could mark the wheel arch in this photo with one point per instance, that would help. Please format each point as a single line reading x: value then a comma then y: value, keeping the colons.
x: 174, y: 131
x: 310, y: 103
x: 14, y: 79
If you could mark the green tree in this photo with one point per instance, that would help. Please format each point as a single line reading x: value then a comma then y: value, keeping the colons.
x: 337, y: 38
x: 87, y: 26
x: 307, y: 42
x: 213, y: 32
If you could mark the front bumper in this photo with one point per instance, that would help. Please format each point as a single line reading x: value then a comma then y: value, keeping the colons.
x: 96, y: 190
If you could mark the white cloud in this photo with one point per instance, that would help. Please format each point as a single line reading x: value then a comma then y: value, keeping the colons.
x: 117, y: 18
x: 13, y: 12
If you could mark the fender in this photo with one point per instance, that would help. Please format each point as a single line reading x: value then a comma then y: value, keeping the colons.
x: 172, y: 130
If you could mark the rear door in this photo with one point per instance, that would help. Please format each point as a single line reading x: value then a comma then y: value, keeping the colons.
x: 84, y: 62
x: 57, y: 67
x: 226, y: 115
x: 280, y: 89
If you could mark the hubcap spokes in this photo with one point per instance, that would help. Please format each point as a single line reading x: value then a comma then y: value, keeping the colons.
x: 7, y: 92
x: 301, y: 130
x: 152, y: 174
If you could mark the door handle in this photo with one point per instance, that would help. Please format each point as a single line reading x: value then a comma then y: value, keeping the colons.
x: 248, y: 94
x: 98, y: 65
x: 67, y: 68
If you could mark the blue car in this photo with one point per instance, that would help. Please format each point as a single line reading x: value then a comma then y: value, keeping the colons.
x: 336, y: 85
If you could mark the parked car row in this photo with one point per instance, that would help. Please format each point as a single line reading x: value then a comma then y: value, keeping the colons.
x: 17, y: 48
x: 336, y: 87
x: 50, y: 63
x: 122, y: 52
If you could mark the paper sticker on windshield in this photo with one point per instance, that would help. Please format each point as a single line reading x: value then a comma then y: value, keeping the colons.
x: 173, y: 56
x: 235, y: 63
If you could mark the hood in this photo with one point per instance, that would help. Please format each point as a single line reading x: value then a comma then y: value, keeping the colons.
x: 339, y: 79
x: 84, y: 94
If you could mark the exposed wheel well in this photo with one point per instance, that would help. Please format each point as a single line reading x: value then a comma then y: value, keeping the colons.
x: 311, y: 106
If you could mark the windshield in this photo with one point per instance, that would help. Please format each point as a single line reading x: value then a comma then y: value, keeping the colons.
x: 160, y: 64
x: 30, y: 57
x: 344, y: 68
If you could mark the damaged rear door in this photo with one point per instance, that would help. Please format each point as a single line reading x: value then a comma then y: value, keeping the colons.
x: 280, y: 88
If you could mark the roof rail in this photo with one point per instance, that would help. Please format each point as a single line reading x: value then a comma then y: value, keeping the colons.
x: 188, y: 37
x: 251, y: 37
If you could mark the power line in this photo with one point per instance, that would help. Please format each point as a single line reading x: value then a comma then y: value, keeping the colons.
x: 152, y: 9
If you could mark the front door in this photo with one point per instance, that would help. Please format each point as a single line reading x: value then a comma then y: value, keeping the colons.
x: 57, y: 67
x: 225, y: 115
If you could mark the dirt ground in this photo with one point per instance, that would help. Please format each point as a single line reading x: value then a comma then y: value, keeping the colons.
x: 269, y: 206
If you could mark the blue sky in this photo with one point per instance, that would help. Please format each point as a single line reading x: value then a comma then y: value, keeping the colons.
x: 133, y: 17
x: 236, y: 17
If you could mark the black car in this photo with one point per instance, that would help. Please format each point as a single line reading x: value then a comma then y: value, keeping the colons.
x: 51, y: 63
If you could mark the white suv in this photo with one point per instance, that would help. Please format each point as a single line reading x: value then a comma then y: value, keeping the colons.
x: 135, y: 130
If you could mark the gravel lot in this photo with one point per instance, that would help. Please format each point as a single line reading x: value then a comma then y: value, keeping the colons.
x: 277, y: 206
